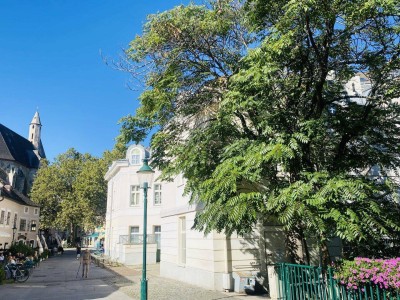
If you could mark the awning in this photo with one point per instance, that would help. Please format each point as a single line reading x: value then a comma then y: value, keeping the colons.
x: 93, y: 235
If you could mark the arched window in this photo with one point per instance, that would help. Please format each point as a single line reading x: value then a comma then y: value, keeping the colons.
x: 135, y: 157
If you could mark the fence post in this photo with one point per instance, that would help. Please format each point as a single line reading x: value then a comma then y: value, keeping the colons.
x: 332, y: 284
x: 273, y: 282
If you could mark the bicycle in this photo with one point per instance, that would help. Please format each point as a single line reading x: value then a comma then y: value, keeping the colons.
x: 29, y: 266
x: 17, y: 272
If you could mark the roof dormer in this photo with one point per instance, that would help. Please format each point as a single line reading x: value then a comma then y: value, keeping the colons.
x: 135, y: 155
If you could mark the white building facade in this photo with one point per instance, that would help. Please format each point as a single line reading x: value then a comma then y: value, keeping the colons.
x: 187, y: 255
x: 124, y: 216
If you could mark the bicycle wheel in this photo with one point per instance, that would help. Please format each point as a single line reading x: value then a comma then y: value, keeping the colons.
x: 21, y: 275
x: 8, y: 273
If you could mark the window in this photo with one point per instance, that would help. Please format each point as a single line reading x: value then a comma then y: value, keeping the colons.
x: 157, y: 194
x: 134, y: 235
x: 22, y: 225
x: 26, y: 209
x: 33, y: 225
x: 8, y: 218
x: 135, y: 157
x: 157, y: 234
x: 2, y: 216
x: 182, y: 240
x: 135, y: 195
x: 36, y: 211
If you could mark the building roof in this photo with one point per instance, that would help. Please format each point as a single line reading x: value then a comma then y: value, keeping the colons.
x: 36, y: 119
x: 41, y: 150
x: 17, y: 196
x: 14, y: 147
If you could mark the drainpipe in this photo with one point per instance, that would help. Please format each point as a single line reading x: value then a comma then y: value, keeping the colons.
x: 227, y: 276
x: 110, y: 230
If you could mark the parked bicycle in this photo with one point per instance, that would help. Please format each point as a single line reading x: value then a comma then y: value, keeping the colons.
x: 29, y: 266
x: 17, y: 272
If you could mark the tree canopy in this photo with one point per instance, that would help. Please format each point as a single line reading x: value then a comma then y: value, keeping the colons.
x: 72, y: 191
x: 250, y: 102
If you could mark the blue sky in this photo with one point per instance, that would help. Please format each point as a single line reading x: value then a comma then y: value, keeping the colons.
x: 50, y: 59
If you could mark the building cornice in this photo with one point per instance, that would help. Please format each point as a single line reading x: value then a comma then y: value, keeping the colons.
x: 115, y: 167
x: 180, y: 210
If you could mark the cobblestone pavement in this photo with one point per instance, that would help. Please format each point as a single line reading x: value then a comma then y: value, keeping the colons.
x: 160, y: 288
x: 59, y: 278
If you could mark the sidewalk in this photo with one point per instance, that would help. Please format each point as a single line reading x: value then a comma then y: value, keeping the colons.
x: 59, y: 277
x: 160, y: 288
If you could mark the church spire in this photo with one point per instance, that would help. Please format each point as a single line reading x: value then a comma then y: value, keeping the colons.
x: 35, y: 130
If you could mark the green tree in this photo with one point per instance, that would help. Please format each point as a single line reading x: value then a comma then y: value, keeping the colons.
x: 270, y: 133
x: 90, y: 188
x: 54, y: 191
x: 72, y: 191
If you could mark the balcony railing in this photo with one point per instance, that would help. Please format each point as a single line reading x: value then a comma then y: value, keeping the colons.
x: 137, y: 239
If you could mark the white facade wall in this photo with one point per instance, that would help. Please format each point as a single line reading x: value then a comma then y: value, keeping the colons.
x: 358, y: 85
x: 208, y: 261
x: 209, y: 257
x: 121, y: 215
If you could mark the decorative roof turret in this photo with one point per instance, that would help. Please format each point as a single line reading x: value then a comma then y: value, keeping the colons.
x: 34, y: 137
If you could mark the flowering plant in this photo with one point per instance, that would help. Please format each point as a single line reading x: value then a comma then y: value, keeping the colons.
x: 384, y: 273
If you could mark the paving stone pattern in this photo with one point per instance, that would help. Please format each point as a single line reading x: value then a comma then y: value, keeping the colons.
x: 58, y: 278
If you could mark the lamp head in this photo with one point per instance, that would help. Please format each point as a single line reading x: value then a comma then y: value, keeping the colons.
x: 145, y: 174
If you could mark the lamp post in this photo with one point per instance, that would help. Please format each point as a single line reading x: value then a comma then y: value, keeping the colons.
x: 145, y: 176
x: 14, y: 229
x: 1, y: 191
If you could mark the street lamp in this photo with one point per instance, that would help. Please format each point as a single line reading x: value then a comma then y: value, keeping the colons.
x: 145, y: 176
x: 14, y: 229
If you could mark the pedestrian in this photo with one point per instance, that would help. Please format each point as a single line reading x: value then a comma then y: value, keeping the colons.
x: 1, y: 258
x: 85, y: 260
x: 11, y: 260
x: 20, y: 257
x: 78, y: 251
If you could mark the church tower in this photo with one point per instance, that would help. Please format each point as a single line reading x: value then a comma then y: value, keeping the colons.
x: 34, y: 131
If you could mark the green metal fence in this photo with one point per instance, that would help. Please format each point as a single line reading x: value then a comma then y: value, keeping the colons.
x: 301, y: 282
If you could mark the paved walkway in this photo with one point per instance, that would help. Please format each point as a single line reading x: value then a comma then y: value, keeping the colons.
x: 56, y: 278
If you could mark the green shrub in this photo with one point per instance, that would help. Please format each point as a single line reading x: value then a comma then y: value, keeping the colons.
x: 357, y: 274
x: 22, y: 248
x: 2, y: 274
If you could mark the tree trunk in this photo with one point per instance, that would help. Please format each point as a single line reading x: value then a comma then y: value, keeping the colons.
x: 292, y: 247
x: 325, y: 256
x: 305, y: 247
